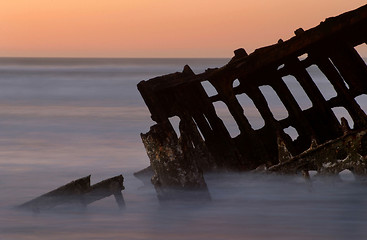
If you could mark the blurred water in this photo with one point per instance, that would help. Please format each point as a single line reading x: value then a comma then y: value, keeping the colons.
x: 62, y: 119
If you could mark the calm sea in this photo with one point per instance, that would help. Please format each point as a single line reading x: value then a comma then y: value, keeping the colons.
x: 63, y: 119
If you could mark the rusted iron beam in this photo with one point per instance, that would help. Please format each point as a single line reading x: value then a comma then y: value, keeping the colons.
x: 348, y: 26
x: 106, y: 188
x: 346, y: 152
x: 78, y: 192
x: 69, y: 193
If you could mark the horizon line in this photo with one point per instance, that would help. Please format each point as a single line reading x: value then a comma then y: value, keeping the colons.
x: 75, y: 57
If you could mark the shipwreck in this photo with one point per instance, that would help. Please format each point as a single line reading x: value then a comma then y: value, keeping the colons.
x: 78, y: 193
x: 324, y: 144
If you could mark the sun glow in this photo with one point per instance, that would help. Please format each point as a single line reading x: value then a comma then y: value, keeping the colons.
x: 161, y: 28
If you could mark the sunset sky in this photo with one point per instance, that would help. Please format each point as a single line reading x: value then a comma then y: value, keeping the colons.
x: 154, y: 28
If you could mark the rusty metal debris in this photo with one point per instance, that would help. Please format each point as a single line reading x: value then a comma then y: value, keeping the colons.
x: 79, y: 192
x: 323, y: 144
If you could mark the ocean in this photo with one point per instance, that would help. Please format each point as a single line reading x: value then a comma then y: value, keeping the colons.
x: 65, y: 118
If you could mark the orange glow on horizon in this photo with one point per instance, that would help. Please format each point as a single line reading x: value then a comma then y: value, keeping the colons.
x: 161, y: 28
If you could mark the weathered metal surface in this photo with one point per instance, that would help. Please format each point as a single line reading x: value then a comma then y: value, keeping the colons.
x: 78, y: 192
x: 346, y: 152
x: 145, y: 175
x: 106, y: 188
x: 175, y: 161
x: 69, y: 193
x: 330, y: 47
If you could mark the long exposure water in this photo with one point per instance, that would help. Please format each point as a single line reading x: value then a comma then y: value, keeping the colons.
x: 63, y: 119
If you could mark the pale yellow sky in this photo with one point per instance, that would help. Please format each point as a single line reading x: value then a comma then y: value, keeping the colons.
x: 159, y: 28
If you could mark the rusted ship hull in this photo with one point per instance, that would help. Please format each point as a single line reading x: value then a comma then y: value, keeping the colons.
x: 323, y: 144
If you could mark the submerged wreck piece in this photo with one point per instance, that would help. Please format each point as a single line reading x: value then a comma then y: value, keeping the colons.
x: 205, y: 143
x: 112, y: 186
x: 175, y: 162
x: 78, y: 192
x: 332, y: 157
x: 69, y: 193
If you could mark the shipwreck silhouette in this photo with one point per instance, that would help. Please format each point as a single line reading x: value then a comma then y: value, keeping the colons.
x: 323, y: 144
